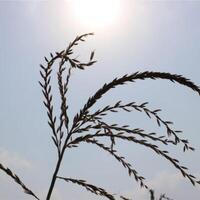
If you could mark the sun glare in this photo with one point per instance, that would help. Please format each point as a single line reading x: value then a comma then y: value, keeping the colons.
x: 96, y: 13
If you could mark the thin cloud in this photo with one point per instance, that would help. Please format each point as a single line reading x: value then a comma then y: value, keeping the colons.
x: 12, y: 159
x: 172, y: 184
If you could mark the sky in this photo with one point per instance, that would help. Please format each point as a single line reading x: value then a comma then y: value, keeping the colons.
x: 145, y: 35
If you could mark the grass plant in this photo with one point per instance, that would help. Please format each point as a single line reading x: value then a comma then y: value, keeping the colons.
x: 90, y: 127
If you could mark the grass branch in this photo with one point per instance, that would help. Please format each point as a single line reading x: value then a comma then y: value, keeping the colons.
x: 89, y: 187
x: 17, y: 180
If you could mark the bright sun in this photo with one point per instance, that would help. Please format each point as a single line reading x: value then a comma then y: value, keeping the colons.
x: 96, y: 13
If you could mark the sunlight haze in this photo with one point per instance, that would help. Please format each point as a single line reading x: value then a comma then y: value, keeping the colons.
x: 96, y: 13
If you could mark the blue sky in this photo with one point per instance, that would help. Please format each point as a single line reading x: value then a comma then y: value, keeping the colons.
x: 150, y: 35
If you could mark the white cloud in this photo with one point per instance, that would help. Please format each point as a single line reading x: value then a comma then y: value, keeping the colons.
x: 12, y: 159
x: 165, y: 178
x: 170, y: 183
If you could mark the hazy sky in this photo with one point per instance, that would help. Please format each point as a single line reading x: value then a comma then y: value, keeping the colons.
x: 147, y: 35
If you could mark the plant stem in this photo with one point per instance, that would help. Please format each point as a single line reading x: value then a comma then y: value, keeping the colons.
x: 54, y: 176
x: 53, y: 180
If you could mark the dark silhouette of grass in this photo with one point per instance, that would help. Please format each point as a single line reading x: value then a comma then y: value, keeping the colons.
x: 90, y: 127
x: 17, y: 180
